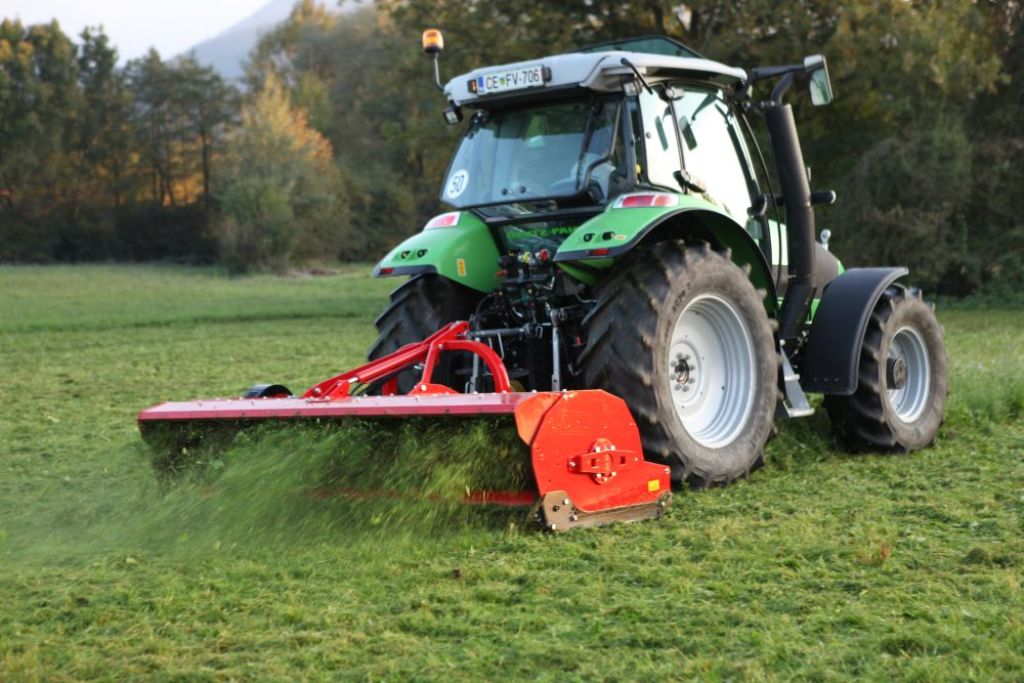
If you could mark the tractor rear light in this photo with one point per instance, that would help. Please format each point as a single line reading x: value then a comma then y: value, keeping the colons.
x: 599, y: 252
x: 646, y: 200
x: 445, y: 220
x: 386, y: 271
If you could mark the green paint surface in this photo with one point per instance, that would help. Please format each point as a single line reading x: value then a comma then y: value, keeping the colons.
x: 468, y: 242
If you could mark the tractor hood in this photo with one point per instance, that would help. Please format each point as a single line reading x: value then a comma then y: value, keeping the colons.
x: 599, y: 72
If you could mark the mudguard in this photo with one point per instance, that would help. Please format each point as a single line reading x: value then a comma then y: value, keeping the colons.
x: 834, y: 343
x: 464, y: 252
x: 618, y: 231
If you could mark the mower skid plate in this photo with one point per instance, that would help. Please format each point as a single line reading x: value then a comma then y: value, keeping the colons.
x: 588, y: 460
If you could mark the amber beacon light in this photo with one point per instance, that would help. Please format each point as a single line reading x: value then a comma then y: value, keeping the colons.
x: 433, y: 41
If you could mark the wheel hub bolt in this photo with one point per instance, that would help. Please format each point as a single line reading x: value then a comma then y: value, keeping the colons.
x: 682, y: 371
x: 896, y: 373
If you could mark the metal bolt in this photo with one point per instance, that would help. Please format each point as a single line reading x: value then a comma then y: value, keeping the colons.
x: 553, y: 526
x: 565, y: 501
x: 573, y: 518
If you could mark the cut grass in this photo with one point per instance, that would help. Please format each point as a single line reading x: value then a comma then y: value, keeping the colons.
x: 823, y: 565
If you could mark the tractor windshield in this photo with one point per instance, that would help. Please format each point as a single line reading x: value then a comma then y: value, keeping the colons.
x: 545, y: 151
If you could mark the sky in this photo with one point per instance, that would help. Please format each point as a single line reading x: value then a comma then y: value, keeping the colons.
x: 171, y: 26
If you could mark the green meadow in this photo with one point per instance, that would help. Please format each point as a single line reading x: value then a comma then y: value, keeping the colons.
x: 823, y: 565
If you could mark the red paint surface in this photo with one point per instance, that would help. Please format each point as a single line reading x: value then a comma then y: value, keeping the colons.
x: 348, y: 406
x: 570, y: 430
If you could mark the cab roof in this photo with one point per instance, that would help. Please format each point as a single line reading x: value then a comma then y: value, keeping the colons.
x: 598, y: 68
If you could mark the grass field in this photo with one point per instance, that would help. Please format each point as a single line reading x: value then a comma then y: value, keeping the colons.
x: 824, y: 565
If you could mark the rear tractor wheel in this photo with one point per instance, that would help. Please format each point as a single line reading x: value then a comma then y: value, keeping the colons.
x: 900, y: 399
x: 683, y: 336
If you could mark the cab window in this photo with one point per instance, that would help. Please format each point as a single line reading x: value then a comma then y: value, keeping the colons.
x: 660, y: 142
x: 713, y: 151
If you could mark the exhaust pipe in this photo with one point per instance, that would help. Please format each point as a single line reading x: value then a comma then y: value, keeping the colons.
x: 796, y: 194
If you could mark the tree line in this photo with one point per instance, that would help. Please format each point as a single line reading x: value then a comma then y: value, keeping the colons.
x: 334, y: 147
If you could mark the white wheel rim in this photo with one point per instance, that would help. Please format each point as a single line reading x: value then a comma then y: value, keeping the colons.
x: 711, y: 371
x: 910, y: 400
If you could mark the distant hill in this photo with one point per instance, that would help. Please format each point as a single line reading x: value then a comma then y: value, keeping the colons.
x: 227, y: 51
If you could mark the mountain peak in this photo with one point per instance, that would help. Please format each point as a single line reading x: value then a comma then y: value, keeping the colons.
x: 227, y: 51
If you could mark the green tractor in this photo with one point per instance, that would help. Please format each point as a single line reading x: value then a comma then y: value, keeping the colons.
x: 613, y: 225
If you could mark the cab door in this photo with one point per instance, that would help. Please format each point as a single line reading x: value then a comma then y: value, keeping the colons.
x: 714, y: 152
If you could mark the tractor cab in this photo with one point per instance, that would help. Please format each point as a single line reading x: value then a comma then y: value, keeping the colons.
x: 550, y: 143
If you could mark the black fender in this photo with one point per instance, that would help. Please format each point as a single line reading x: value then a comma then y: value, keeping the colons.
x: 832, y: 352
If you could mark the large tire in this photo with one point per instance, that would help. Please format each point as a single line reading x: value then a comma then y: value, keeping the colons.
x: 893, y: 408
x: 663, y: 304
x: 418, y: 308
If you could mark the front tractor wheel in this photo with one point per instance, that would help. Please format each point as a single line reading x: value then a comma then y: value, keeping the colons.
x: 682, y: 335
x: 902, y: 383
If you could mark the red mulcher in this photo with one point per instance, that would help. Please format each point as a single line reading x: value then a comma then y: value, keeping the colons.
x: 585, y: 451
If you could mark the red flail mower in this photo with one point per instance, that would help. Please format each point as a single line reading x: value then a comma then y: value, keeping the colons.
x: 584, y: 446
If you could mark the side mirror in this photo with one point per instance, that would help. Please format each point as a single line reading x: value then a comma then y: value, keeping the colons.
x: 816, y: 70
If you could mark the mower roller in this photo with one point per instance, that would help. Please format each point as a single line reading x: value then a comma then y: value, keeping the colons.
x: 584, y: 447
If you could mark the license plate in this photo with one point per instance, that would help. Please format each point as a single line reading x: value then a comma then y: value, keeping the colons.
x: 514, y: 79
